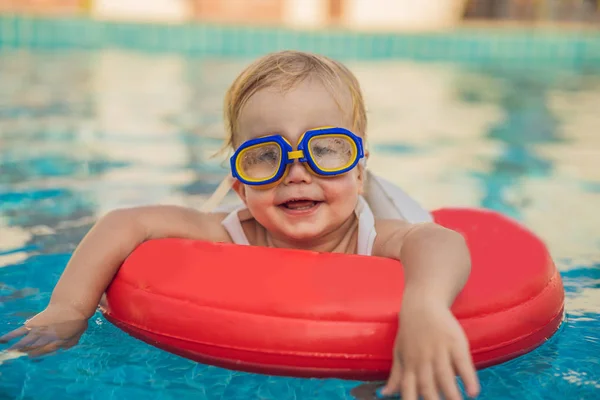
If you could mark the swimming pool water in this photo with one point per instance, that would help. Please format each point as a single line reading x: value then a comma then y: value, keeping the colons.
x: 83, y: 132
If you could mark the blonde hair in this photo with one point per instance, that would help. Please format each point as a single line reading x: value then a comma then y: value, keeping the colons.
x: 285, y: 69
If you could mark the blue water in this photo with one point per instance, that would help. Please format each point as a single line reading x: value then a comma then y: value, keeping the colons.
x: 84, y: 132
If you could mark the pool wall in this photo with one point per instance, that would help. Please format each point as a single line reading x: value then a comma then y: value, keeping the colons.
x: 516, y: 46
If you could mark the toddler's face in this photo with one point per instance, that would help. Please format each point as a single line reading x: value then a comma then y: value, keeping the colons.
x: 303, y: 207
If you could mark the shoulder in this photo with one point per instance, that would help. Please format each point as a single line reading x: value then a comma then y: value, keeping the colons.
x: 387, y: 227
x: 390, y: 237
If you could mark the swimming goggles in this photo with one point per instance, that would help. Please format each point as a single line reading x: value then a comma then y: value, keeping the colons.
x: 327, y: 151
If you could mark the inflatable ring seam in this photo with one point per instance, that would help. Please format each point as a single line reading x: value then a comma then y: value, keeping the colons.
x: 333, y: 355
x: 186, y: 300
x: 547, y: 287
x: 288, y: 352
x: 519, y: 338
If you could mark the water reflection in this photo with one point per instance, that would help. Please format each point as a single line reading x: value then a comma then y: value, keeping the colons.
x: 528, y: 122
x: 536, y: 177
x: 414, y: 108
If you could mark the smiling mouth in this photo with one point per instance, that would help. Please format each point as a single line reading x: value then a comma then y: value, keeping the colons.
x: 300, y: 204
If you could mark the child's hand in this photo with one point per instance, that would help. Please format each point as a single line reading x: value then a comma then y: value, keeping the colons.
x: 54, y: 328
x: 430, y: 350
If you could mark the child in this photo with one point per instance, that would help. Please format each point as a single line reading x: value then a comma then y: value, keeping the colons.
x: 297, y: 123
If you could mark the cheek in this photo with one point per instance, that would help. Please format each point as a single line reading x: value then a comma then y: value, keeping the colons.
x: 256, y: 199
x: 343, y: 187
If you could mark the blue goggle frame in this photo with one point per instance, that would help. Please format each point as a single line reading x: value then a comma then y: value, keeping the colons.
x: 288, y: 155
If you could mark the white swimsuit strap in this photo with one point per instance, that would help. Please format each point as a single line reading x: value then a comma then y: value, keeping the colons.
x: 366, y: 228
x: 233, y: 226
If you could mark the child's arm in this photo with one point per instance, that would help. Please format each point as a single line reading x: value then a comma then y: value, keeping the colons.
x: 431, y: 347
x: 96, y: 261
x: 102, y: 251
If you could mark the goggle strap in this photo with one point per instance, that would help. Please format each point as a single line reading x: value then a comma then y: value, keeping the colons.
x: 218, y: 195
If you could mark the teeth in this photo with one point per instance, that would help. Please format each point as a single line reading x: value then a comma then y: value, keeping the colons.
x: 300, y: 204
x: 303, y: 208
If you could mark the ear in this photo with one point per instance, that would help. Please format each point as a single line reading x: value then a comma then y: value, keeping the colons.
x: 240, y: 189
x: 360, y: 179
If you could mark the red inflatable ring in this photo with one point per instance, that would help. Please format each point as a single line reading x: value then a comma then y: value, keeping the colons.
x: 300, y: 313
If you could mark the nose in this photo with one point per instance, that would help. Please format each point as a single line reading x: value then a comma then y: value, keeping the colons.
x: 298, y: 173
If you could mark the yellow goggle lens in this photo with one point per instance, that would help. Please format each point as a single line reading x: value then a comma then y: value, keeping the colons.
x: 332, y: 152
x: 259, y: 162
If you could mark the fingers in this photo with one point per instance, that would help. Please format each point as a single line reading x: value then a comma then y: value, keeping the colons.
x: 34, y: 339
x: 14, y: 334
x: 44, y: 349
x: 39, y: 343
x: 426, y: 383
x: 35, y: 345
x: 409, y: 386
x: 445, y: 377
x: 409, y: 383
x: 466, y: 370
x: 365, y: 391
x: 25, y: 342
x: 431, y: 380
x: 394, y: 382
